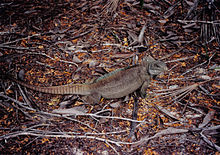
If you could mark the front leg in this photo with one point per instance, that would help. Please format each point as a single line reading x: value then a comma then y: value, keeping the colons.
x: 93, y: 98
x: 144, y: 88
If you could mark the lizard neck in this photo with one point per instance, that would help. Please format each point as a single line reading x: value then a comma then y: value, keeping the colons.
x: 144, y: 71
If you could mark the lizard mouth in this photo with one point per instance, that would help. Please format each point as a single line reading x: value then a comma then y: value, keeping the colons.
x: 165, y: 69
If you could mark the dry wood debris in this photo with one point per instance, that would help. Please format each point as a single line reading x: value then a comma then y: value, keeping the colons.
x: 54, y: 43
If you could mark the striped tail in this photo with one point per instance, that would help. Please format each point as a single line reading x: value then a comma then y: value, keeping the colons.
x: 81, y: 89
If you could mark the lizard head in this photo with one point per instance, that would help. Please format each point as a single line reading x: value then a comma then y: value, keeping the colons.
x: 155, y: 67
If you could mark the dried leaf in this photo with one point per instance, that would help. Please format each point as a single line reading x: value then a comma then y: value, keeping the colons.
x: 171, y: 131
x: 207, y: 119
x: 76, y: 59
x: 166, y: 112
x: 141, y: 35
x: 115, y: 105
x: 71, y: 111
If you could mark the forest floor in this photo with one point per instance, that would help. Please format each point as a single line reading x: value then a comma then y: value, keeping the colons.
x: 75, y: 41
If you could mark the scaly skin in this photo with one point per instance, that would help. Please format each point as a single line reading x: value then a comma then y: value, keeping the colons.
x: 112, y: 85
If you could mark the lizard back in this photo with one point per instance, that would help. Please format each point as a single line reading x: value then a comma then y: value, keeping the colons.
x: 119, y: 83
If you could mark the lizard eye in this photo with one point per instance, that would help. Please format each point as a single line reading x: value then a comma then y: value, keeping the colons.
x: 156, y: 66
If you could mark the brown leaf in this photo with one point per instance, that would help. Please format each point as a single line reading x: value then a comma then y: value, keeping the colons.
x: 207, y: 119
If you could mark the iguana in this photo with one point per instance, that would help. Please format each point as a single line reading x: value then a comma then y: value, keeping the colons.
x: 115, y: 84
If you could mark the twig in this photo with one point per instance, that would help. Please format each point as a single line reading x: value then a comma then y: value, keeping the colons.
x: 36, y: 53
x: 191, y: 69
x: 199, y: 21
x: 42, y: 133
x: 169, y: 55
x: 17, y: 47
x: 108, y: 117
x: 24, y: 97
x: 181, y: 92
x: 112, y: 148
x: 44, y: 113
x: 181, y: 59
x: 18, y: 102
x: 58, y: 135
x: 207, y: 140
x: 28, y: 37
